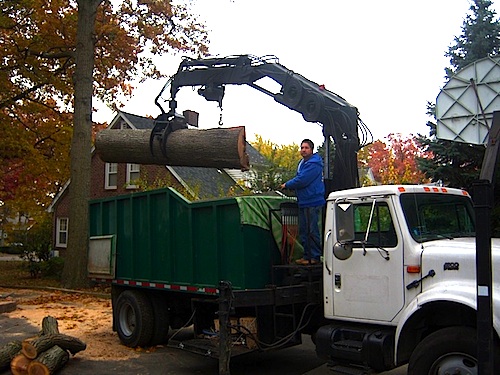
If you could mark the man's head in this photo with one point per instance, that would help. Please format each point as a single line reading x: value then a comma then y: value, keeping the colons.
x: 306, y: 148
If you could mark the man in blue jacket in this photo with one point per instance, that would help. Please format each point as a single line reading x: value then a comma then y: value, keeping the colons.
x: 308, y: 183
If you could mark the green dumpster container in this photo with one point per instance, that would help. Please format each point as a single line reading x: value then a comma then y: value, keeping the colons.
x: 161, y: 237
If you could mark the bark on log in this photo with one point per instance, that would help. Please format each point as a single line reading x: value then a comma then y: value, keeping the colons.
x: 19, y: 365
x: 32, y: 349
x: 49, y: 325
x: 8, y: 352
x: 217, y: 148
x: 49, y: 361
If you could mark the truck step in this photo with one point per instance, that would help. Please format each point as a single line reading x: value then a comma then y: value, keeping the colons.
x: 348, y: 370
x: 356, y: 346
x: 284, y: 315
x: 352, y: 345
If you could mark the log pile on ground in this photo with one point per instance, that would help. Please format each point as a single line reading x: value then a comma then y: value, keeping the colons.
x: 41, y: 355
x: 216, y: 148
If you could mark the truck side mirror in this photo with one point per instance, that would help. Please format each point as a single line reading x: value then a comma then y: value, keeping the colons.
x: 344, y: 222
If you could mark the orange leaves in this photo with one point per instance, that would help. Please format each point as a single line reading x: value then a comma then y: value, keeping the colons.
x: 34, y: 153
x: 127, y: 37
x: 394, y: 163
x: 38, y: 40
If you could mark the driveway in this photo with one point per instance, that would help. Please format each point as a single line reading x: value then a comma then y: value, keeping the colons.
x: 89, y: 319
x: 169, y: 361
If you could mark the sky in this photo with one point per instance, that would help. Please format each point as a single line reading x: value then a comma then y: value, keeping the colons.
x: 386, y: 58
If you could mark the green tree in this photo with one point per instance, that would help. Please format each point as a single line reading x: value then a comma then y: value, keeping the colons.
x: 282, y: 164
x: 58, y: 55
x: 479, y: 38
x: 458, y: 164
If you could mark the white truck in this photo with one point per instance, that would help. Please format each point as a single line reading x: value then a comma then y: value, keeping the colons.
x: 397, y: 283
x: 399, y: 279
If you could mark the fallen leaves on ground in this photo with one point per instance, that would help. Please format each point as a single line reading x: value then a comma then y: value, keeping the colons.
x: 86, y: 315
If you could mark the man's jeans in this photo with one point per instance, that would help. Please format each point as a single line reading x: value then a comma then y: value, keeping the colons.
x: 309, y: 232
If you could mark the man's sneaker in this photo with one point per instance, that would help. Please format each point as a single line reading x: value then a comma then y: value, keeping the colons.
x: 306, y: 262
x: 302, y: 261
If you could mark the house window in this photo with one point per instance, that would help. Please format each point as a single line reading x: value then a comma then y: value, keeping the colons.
x: 133, y: 174
x: 111, y: 177
x: 62, y: 232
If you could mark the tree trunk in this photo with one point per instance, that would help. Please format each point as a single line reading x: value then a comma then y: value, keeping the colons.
x: 19, y: 365
x: 49, y: 361
x: 8, y: 352
x: 218, y: 148
x: 32, y: 349
x: 75, y: 260
x: 49, y: 326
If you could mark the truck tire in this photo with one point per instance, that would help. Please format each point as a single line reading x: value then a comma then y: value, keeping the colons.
x: 449, y: 350
x: 161, y: 319
x: 134, y: 318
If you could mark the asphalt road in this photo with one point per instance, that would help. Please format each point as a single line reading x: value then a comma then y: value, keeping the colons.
x: 298, y: 360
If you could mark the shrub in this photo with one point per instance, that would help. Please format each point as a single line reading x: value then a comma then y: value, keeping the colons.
x: 53, y: 267
x: 12, y: 249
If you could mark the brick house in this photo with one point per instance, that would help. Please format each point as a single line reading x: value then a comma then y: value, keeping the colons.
x: 111, y: 179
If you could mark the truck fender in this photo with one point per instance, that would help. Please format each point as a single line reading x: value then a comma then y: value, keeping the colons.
x: 457, y: 294
x: 464, y: 294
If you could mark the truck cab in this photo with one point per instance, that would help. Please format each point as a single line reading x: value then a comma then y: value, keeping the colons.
x: 399, y: 267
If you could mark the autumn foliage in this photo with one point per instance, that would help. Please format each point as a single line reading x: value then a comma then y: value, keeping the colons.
x: 282, y: 164
x: 38, y: 39
x: 395, y: 162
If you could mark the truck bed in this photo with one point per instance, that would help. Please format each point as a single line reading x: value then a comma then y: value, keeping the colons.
x: 158, y: 237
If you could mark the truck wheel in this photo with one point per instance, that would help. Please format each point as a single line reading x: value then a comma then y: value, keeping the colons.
x: 447, y: 351
x: 134, y: 318
x: 161, y: 319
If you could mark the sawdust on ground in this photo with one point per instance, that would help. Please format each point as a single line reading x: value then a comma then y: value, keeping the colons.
x: 86, y: 317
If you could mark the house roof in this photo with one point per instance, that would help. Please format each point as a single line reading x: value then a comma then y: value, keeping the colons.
x: 255, y: 156
x: 134, y: 121
x: 203, y: 182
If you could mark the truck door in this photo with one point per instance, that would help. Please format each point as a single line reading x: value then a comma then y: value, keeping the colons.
x: 369, y: 284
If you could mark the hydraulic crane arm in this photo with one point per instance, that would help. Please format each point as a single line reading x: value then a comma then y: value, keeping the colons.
x: 313, y: 101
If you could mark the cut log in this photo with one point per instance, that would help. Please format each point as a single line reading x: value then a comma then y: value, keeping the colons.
x: 49, y: 361
x: 28, y: 349
x: 19, y: 365
x: 8, y: 352
x: 32, y: 349
x: 49, y: 325
x: 216, y: 148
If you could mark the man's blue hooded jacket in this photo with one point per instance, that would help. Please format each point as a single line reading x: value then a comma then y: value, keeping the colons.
x: 308, y: 182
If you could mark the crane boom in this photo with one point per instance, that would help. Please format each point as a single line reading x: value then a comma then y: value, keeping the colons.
x: 316, y: 104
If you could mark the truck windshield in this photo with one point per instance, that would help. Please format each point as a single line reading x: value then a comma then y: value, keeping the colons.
x: 435, y: 216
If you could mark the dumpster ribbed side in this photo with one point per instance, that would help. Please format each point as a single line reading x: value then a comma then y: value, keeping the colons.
x: 230, y: 243
x: 206, y: 247
x: 124, y: 238
x: 180, y: 245
x: 161, y: 260
x: 163, y: 238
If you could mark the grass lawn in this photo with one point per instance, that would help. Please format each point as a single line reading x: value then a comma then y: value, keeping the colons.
x: 17, y: 273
